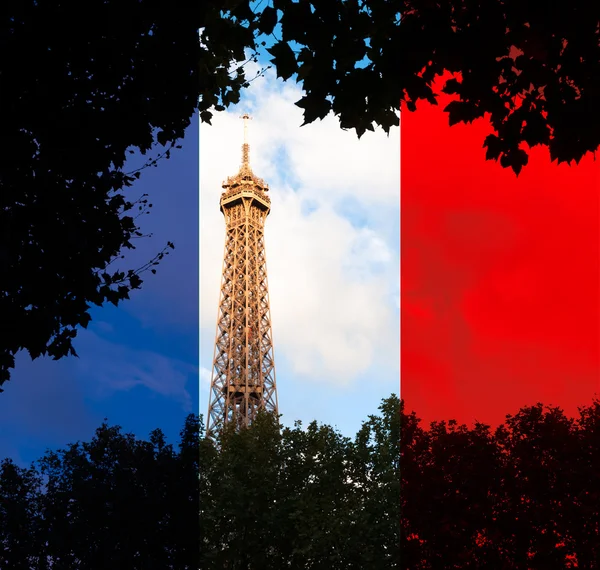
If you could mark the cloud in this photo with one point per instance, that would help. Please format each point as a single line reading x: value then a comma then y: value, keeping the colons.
x: 205, y: 377
x: 48, y: 403
x: 104, y: 327
x: 114, y: 367
x: 332, y: 238
x: 44, y: 396
x: 170, y: 297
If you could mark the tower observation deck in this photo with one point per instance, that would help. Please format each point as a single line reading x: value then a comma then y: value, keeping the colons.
x: 243, y: 373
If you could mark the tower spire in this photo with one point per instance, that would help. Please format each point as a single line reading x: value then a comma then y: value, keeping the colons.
x: 246, y: 147
x: 245, y: 174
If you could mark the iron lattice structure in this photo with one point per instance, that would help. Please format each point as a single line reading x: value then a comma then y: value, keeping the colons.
x: 243, y: 374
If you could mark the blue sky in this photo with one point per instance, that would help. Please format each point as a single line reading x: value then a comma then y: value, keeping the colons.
x: 138, y: 363
x: 332, y: 244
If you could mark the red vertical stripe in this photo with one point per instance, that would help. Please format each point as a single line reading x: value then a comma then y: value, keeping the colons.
x: 500, y: 276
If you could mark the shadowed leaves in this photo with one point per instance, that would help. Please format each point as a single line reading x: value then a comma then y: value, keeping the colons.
x: 524, y: 495
x: 531, y: 72
x: 75, y: 102
x: 283, y: 59
x: 73, y: 110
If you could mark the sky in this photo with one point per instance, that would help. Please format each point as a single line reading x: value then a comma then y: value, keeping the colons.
x: 332, y: 243
x: 500, y: 276
x: 332, y: 247
x: 138, y: 363
x: 500, y: 282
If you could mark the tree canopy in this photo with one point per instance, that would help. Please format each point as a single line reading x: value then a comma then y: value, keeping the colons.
x: 77, y: 95
x: 398, y: 495
x: 525, y: 495
x: 77, y: 98
x: 274, y: 497
x: 531, y: 72
x: 115, y: 501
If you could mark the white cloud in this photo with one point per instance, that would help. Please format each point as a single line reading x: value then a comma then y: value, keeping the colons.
x: 333, y: 282
x: 115, y: 367
x: 205, y: 377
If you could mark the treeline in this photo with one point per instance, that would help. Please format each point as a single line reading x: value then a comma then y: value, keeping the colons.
x: 274, y: 498
x: 113, y: 503
x: 525, y: 495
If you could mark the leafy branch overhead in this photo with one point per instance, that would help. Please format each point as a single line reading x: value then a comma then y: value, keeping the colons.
x: 398, y: 495
x: 533, y: 73
x: 77, y: 99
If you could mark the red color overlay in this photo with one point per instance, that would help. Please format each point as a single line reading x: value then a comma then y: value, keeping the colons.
x: 500, y: 276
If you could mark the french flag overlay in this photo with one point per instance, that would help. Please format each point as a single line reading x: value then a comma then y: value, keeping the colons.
x: 500, y: 276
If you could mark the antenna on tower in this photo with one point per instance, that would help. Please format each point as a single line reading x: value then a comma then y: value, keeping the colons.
x: 246, y: 147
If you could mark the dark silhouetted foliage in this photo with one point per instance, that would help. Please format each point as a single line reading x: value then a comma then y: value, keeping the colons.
x: 525, y: 495
x: 533, y: 72
x: 302, y: 498
x: 77, y: 94
x: 82, y: 84
x: 115, y: 502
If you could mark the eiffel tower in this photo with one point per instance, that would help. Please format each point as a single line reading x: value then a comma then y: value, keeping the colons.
x: 243, y: 374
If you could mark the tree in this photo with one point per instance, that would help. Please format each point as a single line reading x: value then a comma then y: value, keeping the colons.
x: 114, y: 501
x: 522, y: 496
x: 532, y: 72
x: 89, y: 95
x: 185, y: 496
x: 20, y: 538
x: 120, y: 502
x: 76, y: 99
x: 276, y: 497
x: 376, y: 462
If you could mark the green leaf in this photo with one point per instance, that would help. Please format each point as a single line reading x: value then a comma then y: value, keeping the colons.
x: 283, y: 59
x: 84, y: 320
x: 314, y: 108
x: 452, y: 86
x: 494, y: 147
x: 267, y: 20
x: 135, y: 281
x: 535, y: 131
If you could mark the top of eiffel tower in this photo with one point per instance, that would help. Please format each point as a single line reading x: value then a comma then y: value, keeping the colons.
x: 245, y: 176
